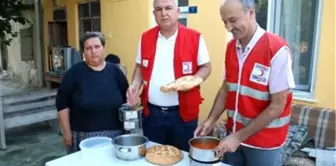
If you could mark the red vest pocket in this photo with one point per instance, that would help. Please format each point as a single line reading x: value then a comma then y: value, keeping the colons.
x: 192, y: 100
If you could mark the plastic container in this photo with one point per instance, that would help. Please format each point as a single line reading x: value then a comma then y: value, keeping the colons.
x: 96, y: 151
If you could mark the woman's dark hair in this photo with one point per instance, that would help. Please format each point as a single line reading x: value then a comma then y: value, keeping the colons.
x: 89, y: 35
x: 112, y: 58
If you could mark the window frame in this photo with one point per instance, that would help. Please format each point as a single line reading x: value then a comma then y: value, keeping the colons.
x: 273, y: 26
x: 90, y: 17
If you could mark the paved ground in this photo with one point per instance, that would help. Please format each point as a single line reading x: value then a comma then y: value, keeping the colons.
x: 32, y: 146
x: 11, y: 85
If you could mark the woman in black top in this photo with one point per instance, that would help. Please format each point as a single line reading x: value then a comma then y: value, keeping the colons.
x: 90, y: 94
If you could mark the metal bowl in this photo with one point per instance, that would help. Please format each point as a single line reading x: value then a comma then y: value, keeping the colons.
x: 130, y: 146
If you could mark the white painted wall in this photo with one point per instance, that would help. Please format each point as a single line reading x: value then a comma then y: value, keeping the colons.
x: 25, y: 70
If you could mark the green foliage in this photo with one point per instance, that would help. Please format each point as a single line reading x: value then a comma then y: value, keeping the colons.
x: 11, y: 11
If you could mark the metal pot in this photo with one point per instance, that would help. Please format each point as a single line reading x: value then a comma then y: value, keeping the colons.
x: 127, y: 112
x: 202, y: 149
x: 130, y: 146
x: 132, y: 125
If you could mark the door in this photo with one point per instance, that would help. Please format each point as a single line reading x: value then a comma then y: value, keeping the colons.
x: 57, y: 36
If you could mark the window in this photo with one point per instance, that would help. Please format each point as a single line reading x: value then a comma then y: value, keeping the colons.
x: 26, y: 40
x: 297, y: 22
x: 183, y: 21
x: 261, y: 13
x: 89, y: 17
x: 183, y: 4
x: 59, y: 15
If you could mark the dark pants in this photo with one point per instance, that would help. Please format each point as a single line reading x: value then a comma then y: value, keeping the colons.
x: 246, y: 156
x: 165, y: 126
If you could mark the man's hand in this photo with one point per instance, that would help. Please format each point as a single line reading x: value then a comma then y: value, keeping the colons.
x: 228, y: 144
x: 132, y: 94
x: 67, y: 138
x: 134, y: 90
x: 204, y: 128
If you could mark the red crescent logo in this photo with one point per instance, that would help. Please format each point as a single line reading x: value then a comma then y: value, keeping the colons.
x: 262, y: 73
x: 187, y: 67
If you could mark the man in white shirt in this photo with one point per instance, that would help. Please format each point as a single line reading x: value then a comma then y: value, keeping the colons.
x: 256, y: 91
x: 165, y: 53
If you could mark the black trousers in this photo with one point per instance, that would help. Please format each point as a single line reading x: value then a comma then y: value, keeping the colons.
x: 165, y: 126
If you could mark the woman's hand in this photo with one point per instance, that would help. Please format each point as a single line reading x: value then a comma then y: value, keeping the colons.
x: 67, y: 138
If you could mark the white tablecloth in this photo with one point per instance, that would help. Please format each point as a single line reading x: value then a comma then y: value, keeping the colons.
x: 75, y: 160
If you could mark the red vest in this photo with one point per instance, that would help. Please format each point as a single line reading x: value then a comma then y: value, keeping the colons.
x: 249, y: 92
x: 185, y: 51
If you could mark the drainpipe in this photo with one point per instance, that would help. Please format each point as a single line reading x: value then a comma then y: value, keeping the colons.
x: 38, y: 43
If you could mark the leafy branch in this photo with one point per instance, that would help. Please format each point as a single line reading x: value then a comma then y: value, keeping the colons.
x: 11, y: 11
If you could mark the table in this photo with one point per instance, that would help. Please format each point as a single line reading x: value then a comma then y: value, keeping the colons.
x: 52, y: 78
x: 75, y: 160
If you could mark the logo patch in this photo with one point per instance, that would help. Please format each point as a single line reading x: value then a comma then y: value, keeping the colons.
x: 260, y: 74
x: 145, y: 62
x: 186, y: 67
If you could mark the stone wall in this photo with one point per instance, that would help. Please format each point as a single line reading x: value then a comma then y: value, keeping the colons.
x: 25, y: 70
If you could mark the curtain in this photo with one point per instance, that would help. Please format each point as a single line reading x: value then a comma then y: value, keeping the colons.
x: 290, y: 26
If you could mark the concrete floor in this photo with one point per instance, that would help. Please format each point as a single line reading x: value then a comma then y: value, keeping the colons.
x: 12, y: 85
x: 32, y: 146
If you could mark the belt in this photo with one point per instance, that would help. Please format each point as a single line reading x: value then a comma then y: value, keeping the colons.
x: 165, y: 108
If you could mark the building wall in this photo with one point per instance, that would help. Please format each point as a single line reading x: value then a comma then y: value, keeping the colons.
x: 208, y: 22
x: 25, y: 70
x: 47, y: 16
x: 72, y: 23
x: 124, y: 21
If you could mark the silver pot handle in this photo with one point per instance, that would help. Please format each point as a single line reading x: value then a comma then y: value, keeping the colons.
x: 221, y: 158
x: 124, y: 150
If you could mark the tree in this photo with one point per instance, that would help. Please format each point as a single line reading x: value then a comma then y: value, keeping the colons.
x: 11, y: 11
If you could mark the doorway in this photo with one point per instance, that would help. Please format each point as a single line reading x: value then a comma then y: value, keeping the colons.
x: 4, y: 56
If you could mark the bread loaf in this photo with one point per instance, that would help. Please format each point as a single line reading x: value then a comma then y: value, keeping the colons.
x: 182, y: 84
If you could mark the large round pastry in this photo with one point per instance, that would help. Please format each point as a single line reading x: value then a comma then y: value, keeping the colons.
x: 163, y: 155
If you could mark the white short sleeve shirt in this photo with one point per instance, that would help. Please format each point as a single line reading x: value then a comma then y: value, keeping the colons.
x: 163, y: 69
